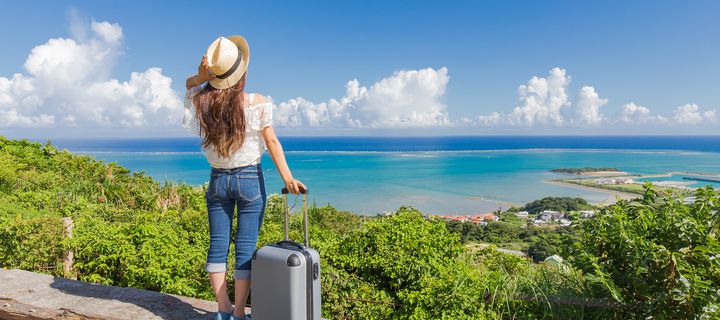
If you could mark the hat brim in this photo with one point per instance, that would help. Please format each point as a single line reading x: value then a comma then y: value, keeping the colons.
x: 242, y: 68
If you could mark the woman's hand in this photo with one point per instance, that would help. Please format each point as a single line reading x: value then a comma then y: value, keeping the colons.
x: 204, y: 73
x: 294, y: 186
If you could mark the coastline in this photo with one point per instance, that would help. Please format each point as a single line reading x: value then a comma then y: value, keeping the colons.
x: 602, y: 173
x: 440, y: 182
x: 505, y: 204
x: 622, y: 195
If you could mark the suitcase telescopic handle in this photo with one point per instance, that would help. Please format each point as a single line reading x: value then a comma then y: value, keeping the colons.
x: 304, y: 192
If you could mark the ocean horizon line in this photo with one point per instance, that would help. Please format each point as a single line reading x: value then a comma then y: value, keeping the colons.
x: 519, y: 150
x: 120, y: 138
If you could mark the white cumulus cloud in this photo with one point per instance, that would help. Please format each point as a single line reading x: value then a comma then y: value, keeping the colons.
x: 110, y: 33
x: 545, y: 102
x: 587, y: 108
x: 67, y: 82
x: 541, y: 100
x: 632, y: 113
x: 691, y: 114
x: 408, y: 98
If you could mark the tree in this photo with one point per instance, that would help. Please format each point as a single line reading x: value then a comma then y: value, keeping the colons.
x: 544, y: 246
x: 563, y: 204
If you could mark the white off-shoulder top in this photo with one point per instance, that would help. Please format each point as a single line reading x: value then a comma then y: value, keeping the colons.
x: 257, y: 117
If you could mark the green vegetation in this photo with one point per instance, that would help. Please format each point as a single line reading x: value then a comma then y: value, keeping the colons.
x: 583, y: 170
x: 634, y: 188
x: 514, y: 234
x: 658, y: 253
x: 654, y: 257
x: 563, y: 204
x: 629, y: 188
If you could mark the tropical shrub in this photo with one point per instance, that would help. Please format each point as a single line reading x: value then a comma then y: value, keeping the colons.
x: 657, y: 253
x: 563, y: 204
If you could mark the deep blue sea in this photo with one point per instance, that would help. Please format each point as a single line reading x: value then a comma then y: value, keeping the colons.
x: 438, y: 175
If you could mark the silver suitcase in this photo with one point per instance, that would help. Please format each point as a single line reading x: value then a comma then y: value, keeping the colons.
x: 286, y: 277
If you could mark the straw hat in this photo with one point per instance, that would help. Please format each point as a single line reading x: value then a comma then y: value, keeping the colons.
x: 228, y: 60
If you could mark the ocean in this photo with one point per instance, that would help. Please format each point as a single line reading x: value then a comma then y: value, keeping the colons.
x: 438, y: 175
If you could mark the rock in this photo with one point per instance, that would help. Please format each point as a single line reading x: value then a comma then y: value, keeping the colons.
x: 28, y: 295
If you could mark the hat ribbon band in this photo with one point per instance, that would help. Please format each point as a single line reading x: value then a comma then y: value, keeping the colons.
x: 234, y: 67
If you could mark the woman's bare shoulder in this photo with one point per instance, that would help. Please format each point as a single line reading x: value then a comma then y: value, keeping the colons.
x: 259, y: 98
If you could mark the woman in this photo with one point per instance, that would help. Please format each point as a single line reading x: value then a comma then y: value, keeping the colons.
x: 235, y: 128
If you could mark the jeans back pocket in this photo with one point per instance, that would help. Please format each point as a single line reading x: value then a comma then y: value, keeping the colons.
x: 248, y: 187
x: 216, y: 187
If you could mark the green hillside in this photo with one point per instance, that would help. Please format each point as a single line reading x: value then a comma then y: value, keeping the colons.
x: 654, y: 257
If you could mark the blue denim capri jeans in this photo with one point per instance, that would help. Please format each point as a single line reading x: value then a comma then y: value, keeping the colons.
x: 242, y: 188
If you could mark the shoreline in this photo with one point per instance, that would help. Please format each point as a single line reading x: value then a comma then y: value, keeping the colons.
x: 602, y: 173
x: 499, y: 202
x: 622, y: 195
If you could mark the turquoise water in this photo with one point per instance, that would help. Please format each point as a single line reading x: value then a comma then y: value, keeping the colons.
x: 437, y: 182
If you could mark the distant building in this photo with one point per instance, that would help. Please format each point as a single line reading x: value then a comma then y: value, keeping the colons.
x: 565, y: 222
x: 521, y: 214
x: 615, y: 181
x: 460, y: 218
x: 453, y: 218
x: 483, y: 219
x: 548, y: 215
x: 587, y: 214
x: 478, y: 219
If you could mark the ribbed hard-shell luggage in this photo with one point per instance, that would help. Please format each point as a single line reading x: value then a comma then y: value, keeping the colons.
x: 286, y: 277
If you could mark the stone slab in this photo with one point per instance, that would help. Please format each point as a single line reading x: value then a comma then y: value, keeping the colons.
x: 29, y: 295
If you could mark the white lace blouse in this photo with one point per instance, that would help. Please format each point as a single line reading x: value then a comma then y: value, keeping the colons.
x: 257, y: 117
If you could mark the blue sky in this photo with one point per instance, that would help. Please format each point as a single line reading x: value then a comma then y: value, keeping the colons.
x: 431, y: 67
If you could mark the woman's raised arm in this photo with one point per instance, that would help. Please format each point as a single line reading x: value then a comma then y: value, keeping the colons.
x: 202, y: 75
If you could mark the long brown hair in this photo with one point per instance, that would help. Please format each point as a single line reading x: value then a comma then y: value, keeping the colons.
x: 221, y: 117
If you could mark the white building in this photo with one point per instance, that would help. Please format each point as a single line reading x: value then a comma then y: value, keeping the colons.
x: 615, y: 181
x: 587, y: 214
x: 551, y: 215
x: 545, y: 216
